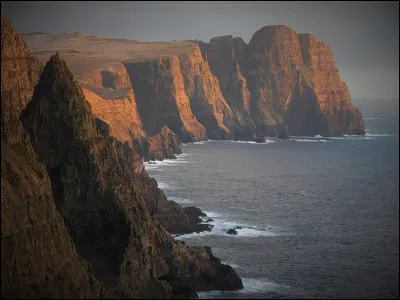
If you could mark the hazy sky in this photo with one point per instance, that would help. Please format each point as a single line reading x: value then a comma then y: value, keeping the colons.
x: 364, y: 36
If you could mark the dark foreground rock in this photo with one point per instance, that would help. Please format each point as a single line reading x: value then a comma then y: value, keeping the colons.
x: 38, y: 257
x: 227, y: 277
x: 194, y: 213
x: 99, y: 195
x: 283, y: 133
x: 259, y: 140
x: 171, y: 215
x: 232, y: 231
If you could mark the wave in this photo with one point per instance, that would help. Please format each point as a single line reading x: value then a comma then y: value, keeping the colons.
x: 166, y: 162
x: 372, y: 118
x: 250, y: 286
x: 235, y: 266
x: 358, y: 137
x: 151, y: 167
x: 211, y: 214
x: 266, y: 141
x: 318, y: 136
x: 180, y: 200
x: 163, y: 185
x: 308, y: 140
x: 221, y: 227
x: 367, y: 136
x: 200, y: 143
x: 377, y: 134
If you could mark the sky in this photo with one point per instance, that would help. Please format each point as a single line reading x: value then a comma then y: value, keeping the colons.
x: 364, y: 36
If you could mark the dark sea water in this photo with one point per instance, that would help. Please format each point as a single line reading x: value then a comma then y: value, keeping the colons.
x: 320, y: 216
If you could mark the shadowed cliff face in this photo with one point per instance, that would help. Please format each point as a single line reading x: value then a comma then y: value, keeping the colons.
x: 226, y: 58
x: 163, y: 145
x: 161, y: 98
x: 124, y: 123
x: 38, y: 257
x: 98, y: 193
x: 206, y: 100
x: 182, y: 93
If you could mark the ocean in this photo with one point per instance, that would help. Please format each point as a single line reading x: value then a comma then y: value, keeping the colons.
x: 319, y: 216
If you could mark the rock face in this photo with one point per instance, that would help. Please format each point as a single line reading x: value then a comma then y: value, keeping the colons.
x: 19, y: 73
x: 97, y: 191
x: 182, y: 93
x: 224, y: 89
x: 206, y: 100
x: 38, y: 257
x: 226, y: 58
x: 119, y: 110
x: 283, y: 133
x: 125, y: 124
x: 163, y: 145
x: 171, y: 215
x: 161, y: 98
x: 289, y: 78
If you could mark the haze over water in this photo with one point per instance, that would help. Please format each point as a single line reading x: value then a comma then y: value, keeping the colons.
x: 319, y: 216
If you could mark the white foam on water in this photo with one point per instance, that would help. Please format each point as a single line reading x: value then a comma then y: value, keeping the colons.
x: 367, y: 136
x: 377, y: 134
x: 200, y: 143
x: 308, y: 140
x: 172, y: 161
x: 180, y: 200
x: 163, y: 185
x: 244, y: 142
x: 250, y: 286
x: 372, y: 118
x: 235, y: 266
x: 211, y: 214
x: 221, y: 227
x: 266, y: 141
x: 358, y: 137
x: 156, y: 164
x: 151, y: 166
x: 318, y: 136
x: 250, y: 232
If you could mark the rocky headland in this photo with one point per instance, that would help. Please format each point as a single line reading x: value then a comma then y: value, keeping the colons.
x: 281, y: 83
x: 74, y: 219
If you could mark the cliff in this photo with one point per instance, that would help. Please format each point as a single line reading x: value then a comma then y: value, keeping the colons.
x: 104, y: 77
x: 97, y: 191
x: 286, y: 78
x: 224, y: 89
x: 161, y: 98
x: 74, y: 225
x: 38, y: 257
x: 117, y: 107
x: 226, y: 58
